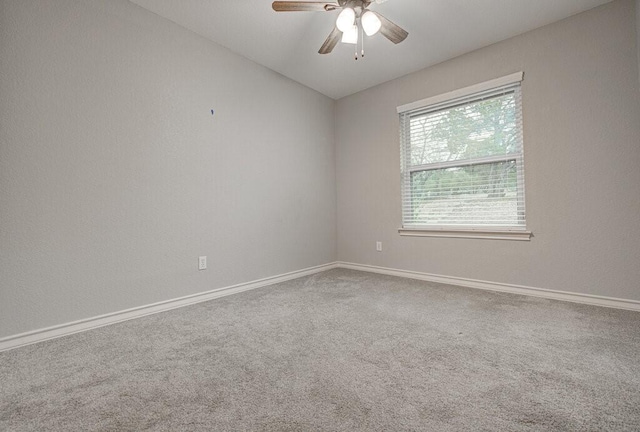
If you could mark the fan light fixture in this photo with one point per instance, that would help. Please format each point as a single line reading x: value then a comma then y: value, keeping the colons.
x: 370, y: 23
x: 354, y: 20
x: 351, y: 35
x: 346, y: 20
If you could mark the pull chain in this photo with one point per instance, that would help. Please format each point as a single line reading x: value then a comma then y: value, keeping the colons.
x: 362, y: 37
x: 357, y: 40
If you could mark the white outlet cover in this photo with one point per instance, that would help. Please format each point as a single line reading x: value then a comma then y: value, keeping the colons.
x: 202, y: 263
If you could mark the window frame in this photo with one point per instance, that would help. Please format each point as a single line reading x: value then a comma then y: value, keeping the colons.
x: 462, y: 96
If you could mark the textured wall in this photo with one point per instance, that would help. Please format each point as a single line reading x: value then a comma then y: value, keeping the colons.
x: 115, y: 177
x: 581, y: 109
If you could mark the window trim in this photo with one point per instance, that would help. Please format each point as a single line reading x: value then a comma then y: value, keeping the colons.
x: 463, y: 92
x: 509, y: 233
x: 491, y: 234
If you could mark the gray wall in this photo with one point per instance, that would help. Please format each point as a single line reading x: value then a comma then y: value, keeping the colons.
x: 115, y: 177
x: 581, y: 109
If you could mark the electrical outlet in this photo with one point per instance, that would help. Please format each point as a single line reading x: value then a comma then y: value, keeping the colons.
x: 379, y: 246
x: 202, y: 263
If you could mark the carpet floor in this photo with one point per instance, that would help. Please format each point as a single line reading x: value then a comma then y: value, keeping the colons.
x: 337, y: 351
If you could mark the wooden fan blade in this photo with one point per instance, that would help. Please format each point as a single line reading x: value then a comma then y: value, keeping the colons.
x: 391, y: 31
x: 303, y: 6
x: 331, y: 41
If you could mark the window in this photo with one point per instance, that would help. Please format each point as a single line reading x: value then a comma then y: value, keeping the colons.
x: 462, y: 163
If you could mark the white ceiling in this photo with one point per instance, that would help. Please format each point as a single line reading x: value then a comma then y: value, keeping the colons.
x: 288, y: 42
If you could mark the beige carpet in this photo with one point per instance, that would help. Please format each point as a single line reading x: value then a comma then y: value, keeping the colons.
x: 337, y: 351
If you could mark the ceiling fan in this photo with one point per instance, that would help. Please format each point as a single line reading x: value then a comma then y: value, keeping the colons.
x: 354, y: 18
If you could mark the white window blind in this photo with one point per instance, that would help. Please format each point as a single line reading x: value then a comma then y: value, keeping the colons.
x: 462, y: 159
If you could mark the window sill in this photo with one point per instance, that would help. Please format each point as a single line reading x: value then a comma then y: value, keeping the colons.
x: 520, y: 235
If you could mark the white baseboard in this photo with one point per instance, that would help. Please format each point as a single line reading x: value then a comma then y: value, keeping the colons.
x: 40, y: 335
x: 611, y: 302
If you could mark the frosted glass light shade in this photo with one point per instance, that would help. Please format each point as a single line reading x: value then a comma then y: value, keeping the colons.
x: 346, y: 19
x: 370, y: 23
x: 351, y: 35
